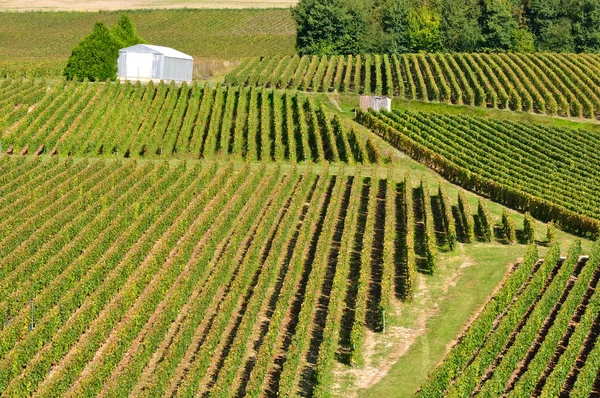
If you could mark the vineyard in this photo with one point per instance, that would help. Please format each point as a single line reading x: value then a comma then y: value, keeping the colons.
x: 553, y: 84
x: 551, y: 172
x: 135, y: 120
x: 121, y: 278
x: 538, y: 336
x: 37, y: 44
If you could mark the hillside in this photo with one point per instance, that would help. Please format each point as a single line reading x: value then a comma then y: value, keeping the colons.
x: 253, y: 233
x: 169, y: 121
x: 536, y: 337
x: 39, y: 43
x: 540, y: 171
x: 552, y: 84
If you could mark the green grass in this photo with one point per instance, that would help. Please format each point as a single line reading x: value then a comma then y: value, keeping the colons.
x: 45, y: 39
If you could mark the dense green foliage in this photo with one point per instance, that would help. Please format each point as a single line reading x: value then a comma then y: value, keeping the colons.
x: 135, y: 120
x: 125, y: 32
x: 551, y: 172
x: 554, y: 84
x: 533, y: 338
x: 529, y: 228
x: 391, y: 26
x: 95, y: 57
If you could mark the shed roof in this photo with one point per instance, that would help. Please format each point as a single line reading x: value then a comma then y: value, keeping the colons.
x: 149, y: 48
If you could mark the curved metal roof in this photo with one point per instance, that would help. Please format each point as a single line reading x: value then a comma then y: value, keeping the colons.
x: 149, y: 48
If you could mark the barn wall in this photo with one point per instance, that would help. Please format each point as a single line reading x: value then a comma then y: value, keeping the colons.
x: 135, y: 66
x: 177, y: 69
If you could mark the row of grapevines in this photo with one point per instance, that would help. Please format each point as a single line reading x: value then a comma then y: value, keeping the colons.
x: 554, y: 84
x: 461, y: 354
x: 473, y: 152
x: 447, y: 217
x: 429, y: 238
x: 163, y: 121
x: 535, y: 291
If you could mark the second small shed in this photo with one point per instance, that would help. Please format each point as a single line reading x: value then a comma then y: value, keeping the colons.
x: 376, y: 102
x: 145, y: 62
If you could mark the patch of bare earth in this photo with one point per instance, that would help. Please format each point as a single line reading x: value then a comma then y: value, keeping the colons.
x: 111, y: 5
x: 383, y: 350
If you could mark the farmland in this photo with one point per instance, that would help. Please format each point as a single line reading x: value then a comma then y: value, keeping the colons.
x: 553, y: 84
x: 174, y: 121
x: 253, y: 233
x: 536, y: 337
x: 148, y: 278
x: 542, y: 170
x: 94, y: 5
x: 39, y: 43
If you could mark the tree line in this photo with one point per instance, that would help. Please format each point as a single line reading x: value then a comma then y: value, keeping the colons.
x: 328, y: 27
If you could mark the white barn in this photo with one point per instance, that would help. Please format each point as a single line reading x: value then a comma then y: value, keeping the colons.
x: 145, y: 62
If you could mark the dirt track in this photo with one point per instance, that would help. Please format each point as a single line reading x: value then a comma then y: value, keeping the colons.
x: 95, y: 5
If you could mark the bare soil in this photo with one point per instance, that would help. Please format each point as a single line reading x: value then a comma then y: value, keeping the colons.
x: 383, y: 350
x: 96, y: 5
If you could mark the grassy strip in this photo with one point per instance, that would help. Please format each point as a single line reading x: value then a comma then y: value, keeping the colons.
x: 458, y: 358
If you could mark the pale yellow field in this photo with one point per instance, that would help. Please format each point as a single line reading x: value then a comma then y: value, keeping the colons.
x: 95, y: 5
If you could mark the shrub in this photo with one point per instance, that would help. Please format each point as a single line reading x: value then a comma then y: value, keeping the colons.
x: 529, y: 228
x: 508, y: 227
x: 95, y: 57
x: 551, y: 232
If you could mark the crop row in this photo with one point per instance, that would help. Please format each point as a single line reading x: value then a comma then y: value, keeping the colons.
x: 533, y: 337
x: 182, y: 278
x: 161, y: 121
x: 554, y: 84
x: 527, y: 167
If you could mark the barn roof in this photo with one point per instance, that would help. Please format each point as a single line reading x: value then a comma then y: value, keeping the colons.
x: 149, y: 48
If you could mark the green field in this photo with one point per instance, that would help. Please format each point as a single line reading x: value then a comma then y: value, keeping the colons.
x: 552, y: 84
x: 254, y: 234
x: 41, y: 42
x: 169, y: 121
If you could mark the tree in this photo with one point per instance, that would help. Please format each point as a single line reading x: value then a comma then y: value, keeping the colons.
x: 460, y: 24
x: 551, y: 27
x: 125, y: 33
x: 557, y: 37
x: 95, y: 57
x: 424, y: 29
x: 523, y: 41
x: 395, y: 26
x: 322, y: 27
x: 588, y: 35
x: 498, y: 24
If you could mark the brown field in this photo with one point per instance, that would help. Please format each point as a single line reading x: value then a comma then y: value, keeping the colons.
x: 96, y: 5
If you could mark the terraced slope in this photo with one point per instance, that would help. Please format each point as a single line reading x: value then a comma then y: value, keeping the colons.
x: 551, y: 172
x: 167, y: 278
x: 88, y: 119
x: 538, y: 336
x: 554, y: 84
